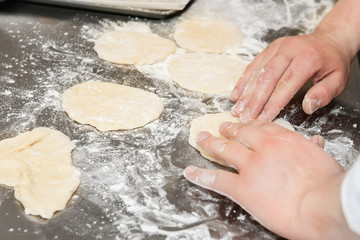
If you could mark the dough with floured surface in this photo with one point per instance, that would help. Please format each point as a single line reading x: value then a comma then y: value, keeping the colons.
x: 110, y: 106
x: 211, y: 124
x: 206, y: 73
x: 37, y: 164
x: 208, y: 36
x: 128, y: 47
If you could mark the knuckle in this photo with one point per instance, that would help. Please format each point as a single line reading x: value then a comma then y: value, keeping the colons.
x: 219, y: 146
x: 286, y: 79
x: 291, y: 41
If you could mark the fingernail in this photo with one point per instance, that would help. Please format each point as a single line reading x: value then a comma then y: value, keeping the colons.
x: 201, y: 136
x: 225, y: 125
x: 245, y: 116
x: 268, y: 115
x: 234, y: 95
x: 189, y: 170
x: 234, y: 111
x: 314, y: 105
x: 311, y: 105
x: 238, y: 108
x: 206, y: 179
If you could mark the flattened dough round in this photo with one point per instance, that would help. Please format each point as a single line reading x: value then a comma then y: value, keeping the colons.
x: 127, y: 47
x: 211, y: 124
x: 110, y: 106
x: 208, y: 36
x: 37, y: 164
x: 206, y: 73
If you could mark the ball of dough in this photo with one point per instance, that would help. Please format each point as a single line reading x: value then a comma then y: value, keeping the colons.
x: 211, y: 124
x: 208, y: 36
x: 110, y: 106
x: 127, y: 47
x: 206, y: 73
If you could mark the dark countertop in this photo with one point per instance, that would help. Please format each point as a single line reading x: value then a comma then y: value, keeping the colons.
x: 132, y: 185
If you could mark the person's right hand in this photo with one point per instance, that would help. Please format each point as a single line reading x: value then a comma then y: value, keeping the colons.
x: 288, y: 183
x: 277, y: 73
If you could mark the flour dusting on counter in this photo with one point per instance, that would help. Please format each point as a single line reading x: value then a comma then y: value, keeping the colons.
x: 132, y: 185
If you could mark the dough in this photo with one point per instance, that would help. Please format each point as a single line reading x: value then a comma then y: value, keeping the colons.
x: 140, y: 48
x: 110, y: 106
x: 211, y: 124
x: 37, y: 164
x: 206, y: 73
x: 208, y: 36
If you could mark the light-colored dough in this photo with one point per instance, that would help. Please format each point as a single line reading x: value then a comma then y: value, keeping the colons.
x: 127, y: 47
x: 206, y: 73
x: 211, y: 124
x: 208, y: 36
x: 37, y: 164
x: 110, y: 106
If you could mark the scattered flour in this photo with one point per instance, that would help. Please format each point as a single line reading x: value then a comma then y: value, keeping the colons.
x: 132, y: 185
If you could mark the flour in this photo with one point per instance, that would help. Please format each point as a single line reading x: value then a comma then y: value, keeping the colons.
x: 132, y: 185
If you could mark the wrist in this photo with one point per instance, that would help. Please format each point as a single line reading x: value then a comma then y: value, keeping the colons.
x: 321, y: 213
x: 340, y: 27
x: 337, y: 41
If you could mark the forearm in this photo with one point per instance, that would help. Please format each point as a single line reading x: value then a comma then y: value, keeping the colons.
x: 341, y: 26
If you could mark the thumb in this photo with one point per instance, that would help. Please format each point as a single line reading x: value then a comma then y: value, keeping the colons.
x: 323, y: 92
x: 318, y: 141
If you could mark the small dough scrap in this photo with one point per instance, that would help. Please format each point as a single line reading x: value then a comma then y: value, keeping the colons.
x: 211, y: 124
x: 206, y: 73
x: 128, y: 47
x: 37, y: 164
x: 110, y: 106
x: 208, y: 36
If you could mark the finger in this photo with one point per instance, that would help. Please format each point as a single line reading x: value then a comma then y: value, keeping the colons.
x: 290, y: 82
x: 264, y: 86
x: 230, y: 130
x: 219, y: 181
x: 323, y: 92
x: 233, y: 153
x: 251, y: 73
x: 249, y: 135
x: 318, y: 141
x: 238, y: 108
x: 240, y: 85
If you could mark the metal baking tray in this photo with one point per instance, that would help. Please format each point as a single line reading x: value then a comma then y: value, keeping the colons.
x: 133, y: 8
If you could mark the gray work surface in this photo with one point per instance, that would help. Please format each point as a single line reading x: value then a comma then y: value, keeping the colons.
x: 132, y: 185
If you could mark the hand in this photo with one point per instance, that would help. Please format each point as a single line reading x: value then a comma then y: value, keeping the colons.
x: 277, y: 73
x: 288, y: 183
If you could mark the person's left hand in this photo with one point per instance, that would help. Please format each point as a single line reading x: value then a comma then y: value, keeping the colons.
x: 289, y: 183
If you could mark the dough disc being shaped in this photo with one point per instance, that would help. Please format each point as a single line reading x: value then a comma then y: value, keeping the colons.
x: 211, y: 124
x: 127, y: 47
x: 110, y: 106
x: 37, y: 164
x: 206, y: 73
x: 208, y: 36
